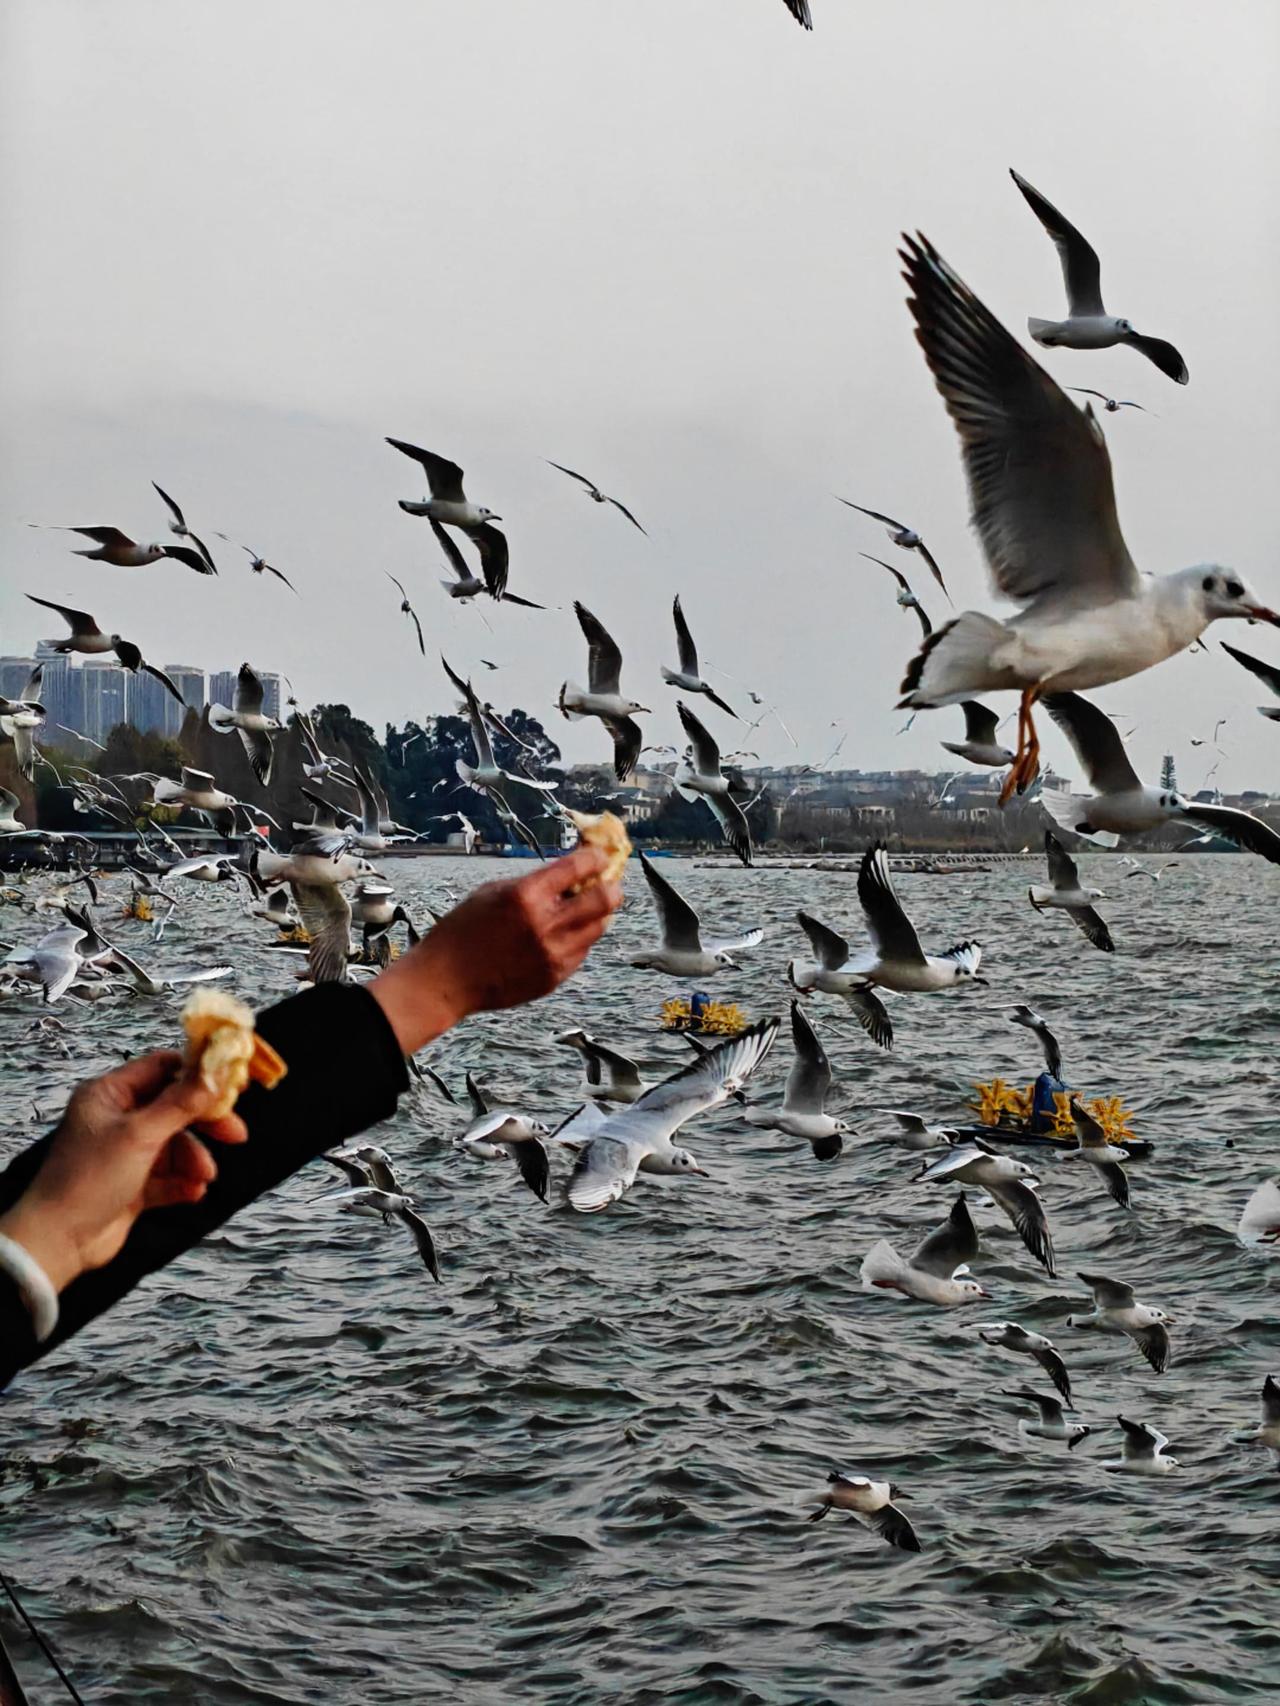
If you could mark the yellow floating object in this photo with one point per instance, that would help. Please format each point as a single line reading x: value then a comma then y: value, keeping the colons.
x: 717, y: 1019
x: 139, y: 907
x: 1000, y: 1104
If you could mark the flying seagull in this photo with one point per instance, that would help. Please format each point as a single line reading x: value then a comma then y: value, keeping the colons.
x: 113, y: 546
x: 1009, y: 1183
x: 1067, y: 894
x: 178, y: 525
x: 1009, y: 1336
x: 1110, y: 404
x: 1044, y: 506
x: 1024, y: 1015
x: 700, y: 773
x: 248, y: 719
x: 979, y: 745
x: 1051, y: 1423
x: 1144, y: 1452
x: 1120, y: 804
x: 448, y: 502
x: 1265, y: 672
x: 937, y: 1271
x: 804, y: 1104
x: 871, y: 1502
x: 86, y: 637
x: 407, y: 609
x: 1117, y: 1310
x: 682, y: 952
x: 1088, y: 325
x: 689, y: 677
x: 594, y: 492
x: 603, y: 696
x: 902, y: 535
x: 1092, y: 1146
x: 830, y: 974
x: 260, y: 566
x: 21, y: 717
x: 906, y: 598
x: 895, y: 959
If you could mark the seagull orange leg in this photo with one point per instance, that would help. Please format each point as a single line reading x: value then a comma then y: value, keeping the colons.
x: 1031, y: 758
x: 1012, y: 780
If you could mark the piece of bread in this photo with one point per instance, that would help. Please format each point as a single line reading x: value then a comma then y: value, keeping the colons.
x: 607, y: 831
x: 225, y: 1049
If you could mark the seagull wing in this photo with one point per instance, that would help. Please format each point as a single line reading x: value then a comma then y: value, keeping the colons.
x: 605, y: 1168
x: 173, y: 508
x: 1063, y: 873
x: 799, y: 10
x: 192, y: 559
x: 980, y: 722
x: 923, y: 550
x: 1096, y: 742
x: 830, y: 949
x: 163, y: 679
x: 451, y: 549
x: 1153, y: 1342
x: 706, y: 751
x: 1094, y: 926
x: 1266, y: 672
x: 1140, y: 1440
x: 1162, y: 354
x: 810, y: 1077
x: 443, y: 477
x: 950, y: 1246
x: 631, y: 518
x: 1054, y: 1367
x: 890, y: 929
x: 1244, y: 829
x: 876, y: 516
x: 628, y: 737
x: 420, y: 1232
x: 731, y: 944
x: 282, y: 577
x: 326, y: 917
x: 205, y: 552
x: 589, y: 484
x: 1038, y: 470
x: 702, y: 1084
x: 535, y: 1169
x: 83, y: 626
x: 1108, y: 1293
x: 1081, y: 269
x: 604, y: 660
x: 495, y: 558
x: 890, y: 1524
x: 676, y: 918
x: 257, y: 745
x: 1026, y: 1211
x: 684, y: 642
x: 111, y: 536
x: 872, y: 1014
x: 733, y: 823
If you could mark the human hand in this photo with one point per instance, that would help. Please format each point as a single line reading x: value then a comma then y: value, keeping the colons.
x: 509, y: 942
x: 121, y: 1147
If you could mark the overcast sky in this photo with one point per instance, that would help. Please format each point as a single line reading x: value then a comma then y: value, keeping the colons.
x: 655, y: 240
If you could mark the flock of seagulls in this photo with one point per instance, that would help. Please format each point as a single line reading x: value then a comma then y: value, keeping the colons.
x: 1044, y: 508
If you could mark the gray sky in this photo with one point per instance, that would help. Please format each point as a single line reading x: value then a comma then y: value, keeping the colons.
x: 655, y: 240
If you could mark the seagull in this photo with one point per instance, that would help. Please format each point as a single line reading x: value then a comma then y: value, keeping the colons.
x: 1120, y: 804
x: 803, y: 1111
x: 1009, y: 1336
x: 979, y: 745
x: 314, y: 868
x: 895, y: 959
x: 603, y: 696
x: 688, y: 677
x: 594, y: 492
x: 179, y: 526
x: 1052, y: 1424
x: 53, y: 962
x: 1067, y: 894
x: 465, y: 583
x: 1111, y: 404
x: 1009, y: 1183
x: 1143, y: 1451
x: 828, y: 975
x: 1024, y: 1015
x: 682, y: 952
x: 1044, y: 506
x: 699, y: 772
x: 914, y: 1132
x: 1266, y: 672
x: 1260, y: 1222
x: 87, y: 638
x: 1088, y: 325
x: 365, y: 1165
x: 318, y: 766
x: 869, y: 1501
x: 21, y: 717
x: 1138, y: 870
x: 247, y: 719
x: 799, y: 10
x: 902, y: 535
x: 1267, y: 1433
x: 607, y: 1076
x: 906, y: 598
x: 387, y: 1205
x: 937, y: 1269
x: 1092, y: 1146
x: 159, y: 983
x: 113, y: 546
x: 448, y: 502
x: 259, y: 565
x: 279, y: 911
x: 197, y: 789
x: 1116, y: 1310
x: 486, y: 776
x: 639, y: 1137
x: 496, y: 1131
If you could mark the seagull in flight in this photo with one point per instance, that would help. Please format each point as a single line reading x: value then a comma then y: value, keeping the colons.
x: 250, y: 722
x: 979, y: 745
x: 597, y: 496
x: 689, y: 677
x: 1144, y: 1452
x: 937, y: 1271
x: 1088, y: 325
x: 260, y: 566
x: 407, y: 609
x: 1265, y: 672
x: 603, y: 696
x: 830, y: 974
x: 110, y: 545
x: 1111, y: 404
x: 902, y: 535
x: 804, y: 1104
x: 1010, y: 1184
x: 448, y: 502
x: 1021, y: 1014
x: 1066, y: 893
x: 178, y: 525
x: 906, y: 598
x: 1117, y: 1310
x: 871, y: 1502
x: 87, y: 638
x: 494, y: 565
x: 700, y: 773
x: 682, y: 951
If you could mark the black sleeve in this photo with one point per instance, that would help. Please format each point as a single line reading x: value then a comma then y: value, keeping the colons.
x: 345, y: 1074
x: 17, y: 1337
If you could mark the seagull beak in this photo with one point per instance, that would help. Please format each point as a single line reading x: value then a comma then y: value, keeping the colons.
x: 1074, y: 1442
x: 701, y: 1172
x: 1259, y: 613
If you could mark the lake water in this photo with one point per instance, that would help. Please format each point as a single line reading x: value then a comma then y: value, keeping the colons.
x: 576, y: 1471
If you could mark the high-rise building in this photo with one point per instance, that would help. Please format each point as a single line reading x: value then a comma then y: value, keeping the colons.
x: 61, y: 692
x: 15, y: 672
x: 222, y: 690
x: 150, y: 705
x: 105, y: 687
x: 272, y: 696
x: 222, y: 687
x: 190, y: 682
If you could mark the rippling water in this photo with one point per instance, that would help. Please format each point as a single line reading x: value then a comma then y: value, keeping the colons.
x: 575, y: 1471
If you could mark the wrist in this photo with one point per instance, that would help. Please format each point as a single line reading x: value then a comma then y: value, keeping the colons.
x: 35, y: 1228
